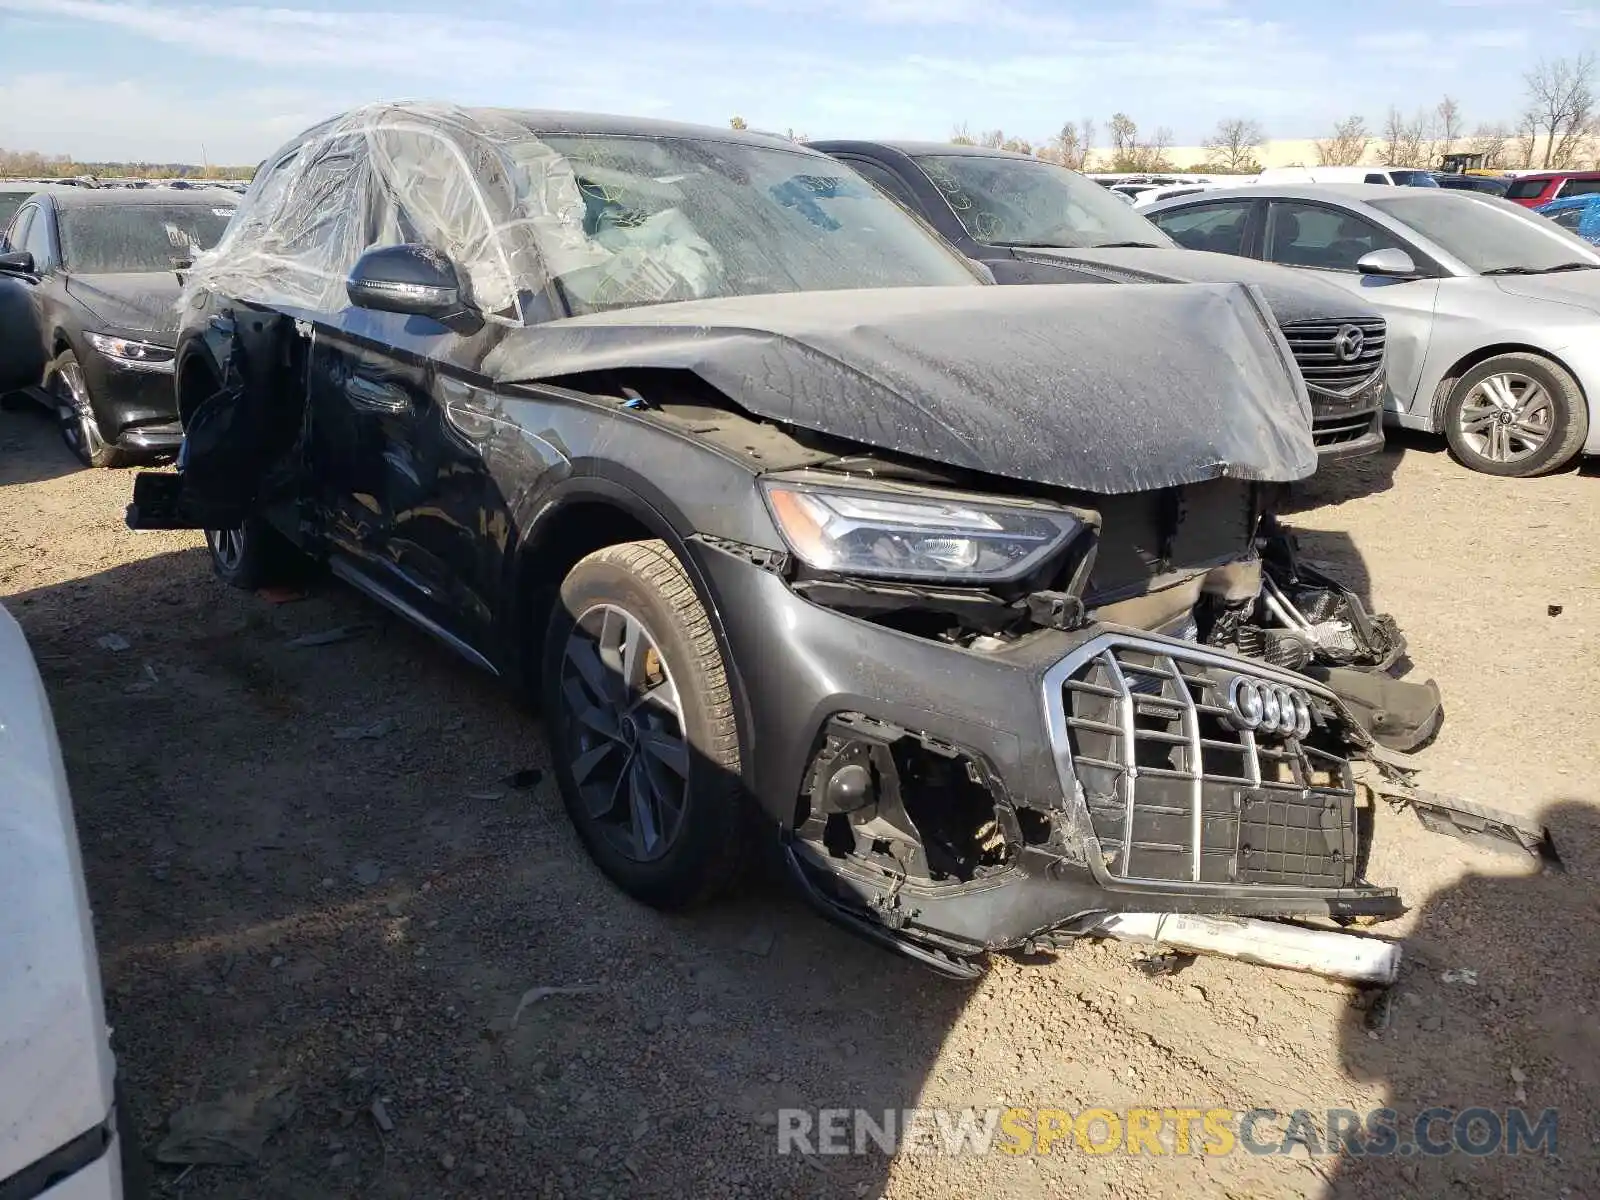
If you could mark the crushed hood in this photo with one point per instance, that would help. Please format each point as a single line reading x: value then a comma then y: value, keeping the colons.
x: 136, y: 302
x: 1291, y: 294
x: 54, y: 1058
x: 1098, y: 389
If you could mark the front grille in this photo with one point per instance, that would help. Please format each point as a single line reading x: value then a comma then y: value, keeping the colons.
x: 1174, y: 793
x: 1315, y: 348
x: 1339, y: 430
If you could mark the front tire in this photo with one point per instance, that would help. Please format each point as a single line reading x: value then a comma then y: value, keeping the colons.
x: 1516, y: 415
x: 642, y: 728
x: 80, y: 428
x: 252, y: 556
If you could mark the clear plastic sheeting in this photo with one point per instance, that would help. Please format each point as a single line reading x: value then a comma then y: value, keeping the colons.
x: 543, y: 213
x: 1106, y: 390
x: 383, y: 175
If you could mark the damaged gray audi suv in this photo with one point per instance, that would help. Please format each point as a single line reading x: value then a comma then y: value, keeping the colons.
x: 797, y: 527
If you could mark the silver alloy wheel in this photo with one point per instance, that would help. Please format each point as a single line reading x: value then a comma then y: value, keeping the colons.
x: 622, y: 732
x: 1507, y: 417
x: 78, y: 424
x: 227, y: 546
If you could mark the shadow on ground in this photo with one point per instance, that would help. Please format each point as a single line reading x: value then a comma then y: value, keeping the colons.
x: 31, y: 449
x: 1499, y: 1010
x: 340, y: 869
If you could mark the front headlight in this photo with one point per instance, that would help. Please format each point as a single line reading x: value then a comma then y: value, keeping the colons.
x: 129, y: 353
x: 900, y: 532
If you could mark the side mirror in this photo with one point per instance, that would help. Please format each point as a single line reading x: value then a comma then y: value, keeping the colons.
x: 1389, y: 262
x: 415, y: 280
x: 16, y: 262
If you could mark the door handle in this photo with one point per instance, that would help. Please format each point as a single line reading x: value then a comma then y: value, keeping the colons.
x: 375, y: 396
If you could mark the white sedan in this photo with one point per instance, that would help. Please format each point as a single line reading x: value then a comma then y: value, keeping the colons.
x: 1493, y: 311
x: 58, y: 1130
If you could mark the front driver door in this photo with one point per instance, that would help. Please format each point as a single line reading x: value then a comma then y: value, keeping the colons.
x: 1330, y: 240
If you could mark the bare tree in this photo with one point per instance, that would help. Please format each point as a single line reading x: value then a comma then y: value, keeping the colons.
x: 1491, y: 142
x: 1124, y: 139
x: 1067, y: 147
x: 962, y: 136
x: 1527, y: 138
x: 1086, y: 127
x: 1129, y: 154
x: 1449, y: 129
x: 1234, y: 147
x: 1561, y: 104
x: 1406, y: 143
x: 1347, y: 146
x: 737, y: 123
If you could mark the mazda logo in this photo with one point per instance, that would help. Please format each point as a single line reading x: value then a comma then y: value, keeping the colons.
x: 1347, y: 343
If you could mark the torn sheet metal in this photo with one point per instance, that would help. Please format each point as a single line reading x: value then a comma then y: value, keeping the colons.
x: 1044, y: 384
x: 1270, y: 943
x: 1389, y: 774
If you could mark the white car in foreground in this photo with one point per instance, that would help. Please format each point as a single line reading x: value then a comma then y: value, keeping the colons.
x: 58, y: 1129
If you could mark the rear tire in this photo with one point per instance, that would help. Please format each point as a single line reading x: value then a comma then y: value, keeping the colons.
x: 1516, y: 415
x: 254, y: 555
x: 642, y: 729
x: 80, y: 428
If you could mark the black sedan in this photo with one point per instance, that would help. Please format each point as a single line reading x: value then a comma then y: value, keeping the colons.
x: 800, y: 531
x: 103, y: 269
x: 1031, y: 221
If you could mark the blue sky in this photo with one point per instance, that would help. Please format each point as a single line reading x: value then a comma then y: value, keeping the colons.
x: 159, y: 79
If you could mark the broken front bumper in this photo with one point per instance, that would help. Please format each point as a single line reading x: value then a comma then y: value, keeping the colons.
x: 954, y: 801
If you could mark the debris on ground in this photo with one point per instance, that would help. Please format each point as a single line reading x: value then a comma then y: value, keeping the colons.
x: 280, y: 595
x: 758, y: 941
x: 534, y: 995
x: 327, y: 637
x: 381, y: 1117
x: 1269, y: 943
x: 1170, y: 963
x: 380, y: 728
x: 229, y: 1131
x: 526, y: 778
x: 1464, y: 975
x: 366, y: 872
x: 113, y: 642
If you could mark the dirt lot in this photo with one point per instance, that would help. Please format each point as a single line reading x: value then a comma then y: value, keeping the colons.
x: 281, y: 902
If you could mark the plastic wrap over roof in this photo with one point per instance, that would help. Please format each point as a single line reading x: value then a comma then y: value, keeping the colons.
x: 478, y: 187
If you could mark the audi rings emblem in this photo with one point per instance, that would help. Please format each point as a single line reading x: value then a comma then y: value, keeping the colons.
x: 1268, y: 708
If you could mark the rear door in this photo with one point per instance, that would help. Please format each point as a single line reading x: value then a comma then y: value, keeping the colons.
x: 1330, y: 240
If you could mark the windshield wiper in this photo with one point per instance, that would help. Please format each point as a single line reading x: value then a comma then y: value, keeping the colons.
x: 1039, y: 245
x: 1566, y: 266
x: 1129, y: 245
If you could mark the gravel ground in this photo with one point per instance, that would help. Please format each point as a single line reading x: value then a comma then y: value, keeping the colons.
x: 282, y: 903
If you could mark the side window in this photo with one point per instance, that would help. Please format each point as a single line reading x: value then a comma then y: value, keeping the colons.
x: 36, y: 239
x: 1310, y: 235
x: 1376, y: 177
x: 885, y: 180
x: 19, y: 228
x: 1581, y: 187
x: 1216, y: 227
x: 1570, y: 219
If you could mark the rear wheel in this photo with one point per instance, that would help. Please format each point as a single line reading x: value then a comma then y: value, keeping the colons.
x: 253, y: 555
x: 80, y: 428
x: 642, y: 728
x: 1517, y: 415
